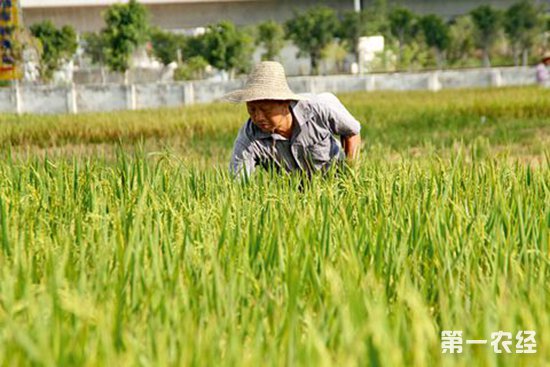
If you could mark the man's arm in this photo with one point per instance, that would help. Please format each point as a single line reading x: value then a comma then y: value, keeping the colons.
x: 341, y: 122
x: 243, y: 161
x: 351, y: 145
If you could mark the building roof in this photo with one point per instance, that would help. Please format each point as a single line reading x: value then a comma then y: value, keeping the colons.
x: 85, y: 3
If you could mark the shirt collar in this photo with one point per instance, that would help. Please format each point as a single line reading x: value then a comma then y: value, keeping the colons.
x: 301, y: 111
x: 259, y: 134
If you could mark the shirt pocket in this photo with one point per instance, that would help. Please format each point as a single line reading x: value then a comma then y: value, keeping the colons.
x: 317, y: 153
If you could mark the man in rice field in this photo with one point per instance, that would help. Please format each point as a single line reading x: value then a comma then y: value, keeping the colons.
x: 287, y: 131
x: 542, y: 69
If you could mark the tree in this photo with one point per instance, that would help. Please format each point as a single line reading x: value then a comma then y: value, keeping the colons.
x: 58, y: 46
x: 376, y: 18
x: 352, y: 26
x: 462, y: 45
x: 127, y: 28
x: 225, y: 47
x: 191, y: 69
x: 312, y: 31
x: 401, y: 23
x: 272, y: 36
x: 94, y: 46
x: 166, y: 45
x: 521, y: 22
x: 488, y: 22
x: 193, y: 46
x: 436, y: 34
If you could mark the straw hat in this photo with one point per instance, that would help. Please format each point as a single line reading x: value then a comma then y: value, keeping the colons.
x: 266, y: 81
x: 546, y: 56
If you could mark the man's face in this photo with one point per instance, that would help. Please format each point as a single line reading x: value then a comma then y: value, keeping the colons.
x: 268, y: 115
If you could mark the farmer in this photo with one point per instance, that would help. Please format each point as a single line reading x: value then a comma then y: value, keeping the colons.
x: 541, y: 69
x: 288, y: 131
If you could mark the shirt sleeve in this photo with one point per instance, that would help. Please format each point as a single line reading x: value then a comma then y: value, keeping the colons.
x: 340, y: 121
x: 243, y: 160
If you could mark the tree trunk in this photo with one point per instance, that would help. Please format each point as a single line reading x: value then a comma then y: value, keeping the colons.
x: 486, y: 60
x: 525, y: 56
x: 439, y: 56
x: 401, y: 41
x: 314, y: 63
x: 516, y: 58
x: 400, y: 56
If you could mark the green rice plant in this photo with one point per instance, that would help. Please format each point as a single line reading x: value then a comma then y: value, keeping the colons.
x: 124, y: 242
x: 151, y: 261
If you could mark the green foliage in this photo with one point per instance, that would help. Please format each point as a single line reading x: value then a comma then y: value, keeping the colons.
x: 376, y: 18
x: 194, y: 46
x: 271, y: 36
x: 402, y: 26
x: 58, y: 46
x: 415, y: 55
x: 226, y: 47
x: 166, y: 45
x: 488, y: 22
x: 401, y: 22
x: 352, y: 26
x: 521, y: 23
x: 336, y: 52
x: 94, y: 47
x: 191, y: 69
x: 127, y: 28
x: 312, y: 31
x: 436, y: 33
x: 144, y: 241
x: 462, y: 42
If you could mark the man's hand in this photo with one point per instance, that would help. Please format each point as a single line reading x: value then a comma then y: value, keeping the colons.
x: 351, y: 145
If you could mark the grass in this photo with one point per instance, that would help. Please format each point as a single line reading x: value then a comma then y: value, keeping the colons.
x: 512, y: 118
x: 124, y: 241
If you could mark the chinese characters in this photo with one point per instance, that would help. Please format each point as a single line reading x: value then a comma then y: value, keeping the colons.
x: 501, y: 342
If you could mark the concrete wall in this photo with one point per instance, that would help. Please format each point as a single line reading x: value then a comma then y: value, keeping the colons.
x: 112, y: 97
x: 7, y: 100
x: 135, y: 75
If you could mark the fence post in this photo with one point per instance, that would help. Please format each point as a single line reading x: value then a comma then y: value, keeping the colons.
x: 433, y: 81
x: 17, y: 98
x: 496, y: 78
x: 370, y: 83
x: 131, y: 102
x: 71, y: 99
x: 188, y: 93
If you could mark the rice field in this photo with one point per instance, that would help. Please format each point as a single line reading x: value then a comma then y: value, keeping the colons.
x: 123, y: 240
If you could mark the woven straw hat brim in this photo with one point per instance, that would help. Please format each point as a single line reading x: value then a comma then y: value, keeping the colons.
x: 258, y: 94
x: 266, y: 81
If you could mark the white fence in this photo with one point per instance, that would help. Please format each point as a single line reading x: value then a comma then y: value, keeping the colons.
x: 111, y: 97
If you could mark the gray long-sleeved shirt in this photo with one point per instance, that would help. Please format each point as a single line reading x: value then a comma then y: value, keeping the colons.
x: 312, y: 145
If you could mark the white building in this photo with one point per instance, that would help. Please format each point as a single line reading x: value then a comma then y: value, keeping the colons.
x: 86, y: 15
